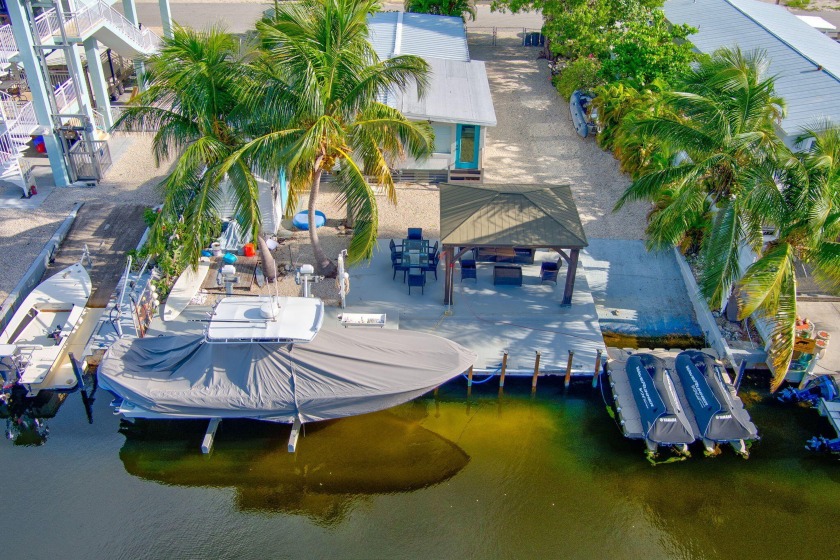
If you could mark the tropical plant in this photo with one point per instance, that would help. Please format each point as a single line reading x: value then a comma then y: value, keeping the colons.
x: 457, y: 8
x: 722, y: 122
x: 314, y: 108
x: 801, y: 199
x: 580, y: 74
x: 619, y: 106
x: 647, y: 48
x: 193, y: 84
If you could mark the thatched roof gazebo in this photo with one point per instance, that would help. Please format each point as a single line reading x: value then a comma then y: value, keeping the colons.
x: 510, y: 216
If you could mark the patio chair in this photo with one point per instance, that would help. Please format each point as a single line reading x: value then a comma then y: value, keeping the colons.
x: 468, y: 270
x: 395, y: 248
x: 549, y: 271
x: 417, y: 280
x: 433, y: 249
x: 415, y: 233
x: 398, y: 266
x: 432, y: 266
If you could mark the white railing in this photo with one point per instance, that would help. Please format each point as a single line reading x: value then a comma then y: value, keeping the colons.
x: 8, y: 148
x: 20, y: 117
x: 8, y: 45
x: 58, y: 78
x: 65, y: 95
x: 99, y: 121
x: 77, y: 24
x: 46, y: 25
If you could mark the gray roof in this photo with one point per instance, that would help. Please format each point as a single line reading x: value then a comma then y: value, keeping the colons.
x: 510, y: 216
x: 794, y: 48
x: 395, y: 33
x: 458, y: 92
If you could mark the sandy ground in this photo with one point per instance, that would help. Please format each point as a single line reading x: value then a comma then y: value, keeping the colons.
x: 535, y: 142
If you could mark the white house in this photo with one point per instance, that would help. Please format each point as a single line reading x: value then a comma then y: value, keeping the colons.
x: 457, y: 102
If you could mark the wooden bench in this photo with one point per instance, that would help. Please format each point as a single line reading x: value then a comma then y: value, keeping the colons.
x: 506, y: 275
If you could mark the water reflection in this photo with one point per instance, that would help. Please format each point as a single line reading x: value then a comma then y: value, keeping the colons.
x: 338, y: 463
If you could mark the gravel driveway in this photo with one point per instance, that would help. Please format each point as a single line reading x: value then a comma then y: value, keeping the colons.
x: 535, y: 142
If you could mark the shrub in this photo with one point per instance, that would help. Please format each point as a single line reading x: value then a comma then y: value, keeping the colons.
x: 580, y: 74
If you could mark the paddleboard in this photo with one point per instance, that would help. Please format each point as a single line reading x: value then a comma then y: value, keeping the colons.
x: 184, y: 289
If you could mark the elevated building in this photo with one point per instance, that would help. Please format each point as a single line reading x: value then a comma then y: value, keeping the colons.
x: 67, y: 108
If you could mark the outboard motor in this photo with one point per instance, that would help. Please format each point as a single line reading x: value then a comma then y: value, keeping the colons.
x: 822, y: 387
x: 819, y: 443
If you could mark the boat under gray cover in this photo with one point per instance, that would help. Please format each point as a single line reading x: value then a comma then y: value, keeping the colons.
x: 338, y: 374
x: 663, y: 420
x: 720, y: 417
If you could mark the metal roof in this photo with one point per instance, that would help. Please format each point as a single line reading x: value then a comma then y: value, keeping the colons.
x: 510, y: 216
x: 396, y: 33
x: 458, y: 92
x: 796, y: 51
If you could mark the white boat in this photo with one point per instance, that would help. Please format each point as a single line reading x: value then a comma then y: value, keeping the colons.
x: 34, y: 343
x: 266, y: 358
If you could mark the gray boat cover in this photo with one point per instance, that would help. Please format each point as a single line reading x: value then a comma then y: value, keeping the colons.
x: 338, y: 374
x: 662, y: 416
x: 720, y: 416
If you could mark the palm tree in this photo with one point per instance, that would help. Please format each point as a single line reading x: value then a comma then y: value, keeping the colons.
x: 314, y: 108
x: 191, y: 103
x: 722, y: 120
x: 806, y: 213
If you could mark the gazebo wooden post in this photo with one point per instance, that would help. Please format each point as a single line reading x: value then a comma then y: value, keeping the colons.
x: 570, y: 276
x: 449, y: 262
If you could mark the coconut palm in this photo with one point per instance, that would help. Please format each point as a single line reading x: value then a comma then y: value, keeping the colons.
x: 722, y: 120
x: 191, y: 103
x: 314, y: 108
x: 806, y: 213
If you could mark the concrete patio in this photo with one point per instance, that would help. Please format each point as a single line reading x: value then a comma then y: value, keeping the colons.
x: 485, y: 318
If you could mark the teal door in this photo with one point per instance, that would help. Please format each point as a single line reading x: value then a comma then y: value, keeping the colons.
x: 466, y: 146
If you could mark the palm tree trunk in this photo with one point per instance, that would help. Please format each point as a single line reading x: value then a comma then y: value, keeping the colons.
x: 323, y: 264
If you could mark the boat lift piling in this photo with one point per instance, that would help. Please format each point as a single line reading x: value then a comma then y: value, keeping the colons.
x: 469, y: 381
x: 80, y: 380
x: 210, y: 435
x: 294, y: 435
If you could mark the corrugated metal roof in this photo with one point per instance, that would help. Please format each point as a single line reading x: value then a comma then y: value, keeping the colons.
x: 510, y: 216
x: 394, y: 33
x: 794, y: 48
x: 458, y: 92
x: 382, y: 28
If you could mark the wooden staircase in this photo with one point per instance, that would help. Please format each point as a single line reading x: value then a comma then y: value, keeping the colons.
x: 466, y: 176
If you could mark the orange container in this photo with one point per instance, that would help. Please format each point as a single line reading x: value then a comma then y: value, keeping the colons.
x: 248, y: 250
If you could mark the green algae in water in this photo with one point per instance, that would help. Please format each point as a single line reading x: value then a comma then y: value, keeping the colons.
x: 511, y: 477
x: 679, y: 341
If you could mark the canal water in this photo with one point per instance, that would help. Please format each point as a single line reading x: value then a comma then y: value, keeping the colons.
x: 487, y: 477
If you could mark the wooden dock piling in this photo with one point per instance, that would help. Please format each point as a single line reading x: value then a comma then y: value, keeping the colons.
x: 504, y: 370
x: 536, y: 372
x: 597, y: 370
x: 469, y: 381
x: 568, y: 379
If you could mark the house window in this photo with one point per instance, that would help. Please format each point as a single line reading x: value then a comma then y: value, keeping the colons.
x: 443, y: 138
